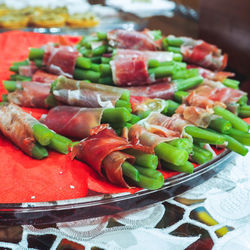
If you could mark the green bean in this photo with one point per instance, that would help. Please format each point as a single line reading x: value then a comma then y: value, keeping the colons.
x: 130, y: 171
x: 171, y: 107
x: 134, y: 119
x: 174, y: 49
x: 39, y: 152
x: 153, y: 63
x: 90, y: 75
x: 234, y: 145
x: 60, y: 144
x: 5, y: 98
x: 42, y: 134
x: 143, y: 159
x: 125, y: 104
x: 116, y: 115
x: 232, y: 118
x: 106, y: 80
x: 83, y: 63
x: 201, y: 155
x: 95, y: 67
x: 174, y: 41
x: 10, y: 86
x: 182, y: 143
x: 187, y: 167
x: 230, y: 83
x: 240, y: 136
x: 99, y: 50
x: 180, y: 95
x: 221, y: 125
x: 106, y: 60
x: 185, y: 74
x: 188, y: 83
x: 171, y: 154
x: 102, y: 35
x: 105, y: 70
x: 243, y: 100
x: 36, y: 53
x: 244, y: 111
x: 203, y: 134
x: 161, y: 72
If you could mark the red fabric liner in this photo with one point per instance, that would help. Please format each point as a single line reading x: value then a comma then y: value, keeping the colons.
x: 24, y: 179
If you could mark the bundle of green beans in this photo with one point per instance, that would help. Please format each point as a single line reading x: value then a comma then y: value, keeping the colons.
x: 227, y: 125
x: 46, y: 137
x: 143, y: 173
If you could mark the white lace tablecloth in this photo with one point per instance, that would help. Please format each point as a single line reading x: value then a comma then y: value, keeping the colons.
x: 177, y: 223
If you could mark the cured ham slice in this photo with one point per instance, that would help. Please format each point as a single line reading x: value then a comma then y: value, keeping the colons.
x: 197, y: 116
x: 130, y: 67
x: 42, y: 76
x: 150, y: 136
x: 83, y: 94
x: 74, y: 122
x: 211, y: 93
x: 17, y: 125
x: 27, y: 70
x: 101, y: 151
x: 31, y: 94
x: 174, y: 123
x: 60, y: 60
x: 203, y: 54
x: 163, y: 90
x: 141, y: 104
x: 212, y: 75
x: 130, y: 39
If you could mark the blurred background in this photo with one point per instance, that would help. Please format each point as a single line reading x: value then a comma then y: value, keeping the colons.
x: 225, y: 23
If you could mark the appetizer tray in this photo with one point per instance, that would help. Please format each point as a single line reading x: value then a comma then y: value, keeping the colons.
x: 96, y: 204
x: 59, y: 189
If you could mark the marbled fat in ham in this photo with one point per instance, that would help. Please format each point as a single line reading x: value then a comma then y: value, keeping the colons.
x: 127, y: 39
x: 42, y: 76
x: 74, y: 122
x: 203, y: 54
x: 60, y: 60
x: 31, y: 94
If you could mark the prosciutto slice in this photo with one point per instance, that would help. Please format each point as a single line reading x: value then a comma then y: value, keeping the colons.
x: 17, y: 125
x: 42, y: 76
x: 197, y: 116
x: 130, y: 39
x: 212, y: 75
x: 212, y: 93
x: 82, y: 94
x: 141, y: 104
x: 27, y: 70
x: 130, y: 67
x: 30, y: 94
x: 163, y: 90
x: 203, y: 54
x: 60, y: 60
x: 150, y: 136
x: 175, y: 123
x: 74, y: 122
x: 101, y: 151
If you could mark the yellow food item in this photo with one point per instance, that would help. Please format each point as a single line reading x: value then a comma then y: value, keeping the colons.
x: 12, y: 21
x: 48, y: 21
x: 4, y: 10
x: 86, y: 20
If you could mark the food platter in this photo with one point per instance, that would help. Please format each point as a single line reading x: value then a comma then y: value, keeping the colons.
x: 96, y: 204
x: 99, y: 202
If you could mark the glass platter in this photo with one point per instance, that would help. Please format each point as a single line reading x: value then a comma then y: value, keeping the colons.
x: 96, y: 204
